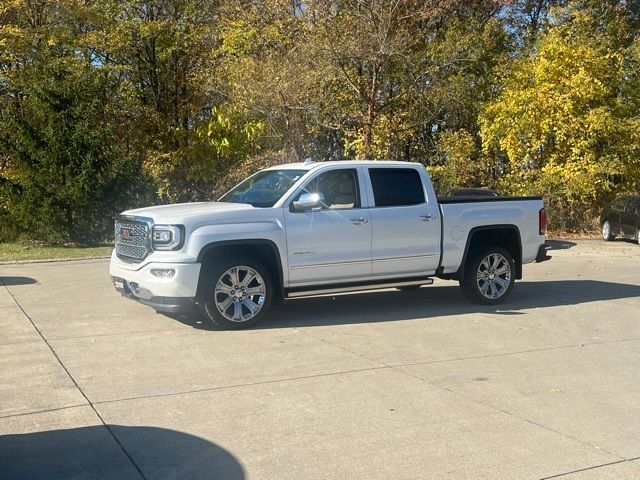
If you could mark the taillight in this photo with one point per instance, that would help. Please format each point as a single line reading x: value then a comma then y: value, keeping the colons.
x: 542, y: 221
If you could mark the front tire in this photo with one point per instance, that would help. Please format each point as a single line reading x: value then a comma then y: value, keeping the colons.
x: 606, y: 232
x: 236, y: 293
x: 489, y: 276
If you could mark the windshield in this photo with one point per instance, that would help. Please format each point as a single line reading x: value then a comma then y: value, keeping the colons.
x: 264, y: 188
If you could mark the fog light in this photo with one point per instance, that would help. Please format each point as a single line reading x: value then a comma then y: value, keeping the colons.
x: 163, y: 272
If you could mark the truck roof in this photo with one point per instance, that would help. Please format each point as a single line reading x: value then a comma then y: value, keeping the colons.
x: 311, y: 165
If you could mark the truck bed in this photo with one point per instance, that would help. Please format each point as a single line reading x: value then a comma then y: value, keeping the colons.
x: 481, y: 199
x: 462, y: 215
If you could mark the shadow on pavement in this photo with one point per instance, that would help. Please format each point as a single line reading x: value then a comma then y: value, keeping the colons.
x: 12, y: 281
x: 559, y: 244
x: 91, y: 452
x: 389, y: 306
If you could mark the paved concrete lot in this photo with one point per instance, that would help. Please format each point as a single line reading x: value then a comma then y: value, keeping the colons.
x: 384, y: 385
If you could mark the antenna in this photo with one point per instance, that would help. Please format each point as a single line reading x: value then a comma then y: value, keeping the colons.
x: 309, y: 160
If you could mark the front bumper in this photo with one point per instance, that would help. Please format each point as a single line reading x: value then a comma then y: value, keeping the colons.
x: 542, y: 254
x: 159, y: 304
x: 174, y: 294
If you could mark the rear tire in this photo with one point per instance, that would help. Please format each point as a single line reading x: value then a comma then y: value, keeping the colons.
x: 606, y: 232
x: 236, y: 293
x: 489, y: 276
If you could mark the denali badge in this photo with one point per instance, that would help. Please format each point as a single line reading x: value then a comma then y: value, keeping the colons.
x: 126, y: 233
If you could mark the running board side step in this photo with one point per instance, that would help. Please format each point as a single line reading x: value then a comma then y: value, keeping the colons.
x: 310, y: 292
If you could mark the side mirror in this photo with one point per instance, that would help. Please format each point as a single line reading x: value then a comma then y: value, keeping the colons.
x: 308, y: 201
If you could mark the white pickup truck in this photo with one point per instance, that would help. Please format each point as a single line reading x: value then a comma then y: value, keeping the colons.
x: 312, y: 228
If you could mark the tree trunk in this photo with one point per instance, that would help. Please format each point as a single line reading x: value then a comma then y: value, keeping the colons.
x: 370, y: 117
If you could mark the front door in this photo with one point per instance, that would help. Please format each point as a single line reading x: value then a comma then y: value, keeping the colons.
x: 332, y: 242
x: 628, y: 218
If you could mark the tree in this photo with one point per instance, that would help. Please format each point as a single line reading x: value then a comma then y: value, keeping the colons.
x: 527, y: 18
x: 460, y: 163
x: 266, y: 73
x: 567, y: 122
x: 164, y: 52
x: 65, y: 166
x: 389, y: 60
x: 360, y: 78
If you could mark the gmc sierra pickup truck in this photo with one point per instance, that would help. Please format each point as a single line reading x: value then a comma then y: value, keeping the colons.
x: 310, y: 228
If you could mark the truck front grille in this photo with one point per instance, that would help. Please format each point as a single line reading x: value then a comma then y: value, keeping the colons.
x: 132, y: 239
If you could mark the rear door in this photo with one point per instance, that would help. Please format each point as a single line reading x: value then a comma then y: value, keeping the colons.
x: 405, y: 225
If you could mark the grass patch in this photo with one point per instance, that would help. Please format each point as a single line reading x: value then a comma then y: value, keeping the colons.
x: 10, y: 252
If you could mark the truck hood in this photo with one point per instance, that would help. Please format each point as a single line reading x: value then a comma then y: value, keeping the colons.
x: 178, y: 213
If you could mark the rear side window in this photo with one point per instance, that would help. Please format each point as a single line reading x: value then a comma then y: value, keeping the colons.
x: 394, y: 187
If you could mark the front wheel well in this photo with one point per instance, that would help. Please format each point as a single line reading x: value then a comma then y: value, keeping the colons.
x: 507, y: 237
x: 265, y: 252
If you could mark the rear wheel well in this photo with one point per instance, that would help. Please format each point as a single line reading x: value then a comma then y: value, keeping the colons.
x: 264, y: 252
x: 507, y: 237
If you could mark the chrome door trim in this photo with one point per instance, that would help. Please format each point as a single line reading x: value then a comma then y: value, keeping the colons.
x: 320, y: 265
x: 392, y: 259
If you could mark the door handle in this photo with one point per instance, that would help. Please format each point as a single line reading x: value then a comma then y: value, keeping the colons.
x: 426, y: 218
x: 358, y: 221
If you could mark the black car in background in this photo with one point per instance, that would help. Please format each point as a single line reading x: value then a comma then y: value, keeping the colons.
x: 622, y: 219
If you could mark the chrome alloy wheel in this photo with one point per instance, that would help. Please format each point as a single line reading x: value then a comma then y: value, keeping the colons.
x: 606, y: 230
x: 240, y: 293
x: 493, y: 276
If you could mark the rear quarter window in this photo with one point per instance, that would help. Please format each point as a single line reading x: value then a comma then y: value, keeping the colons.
x: 393, y: 187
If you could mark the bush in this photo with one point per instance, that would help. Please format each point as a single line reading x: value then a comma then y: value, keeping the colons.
x: 68, y: 173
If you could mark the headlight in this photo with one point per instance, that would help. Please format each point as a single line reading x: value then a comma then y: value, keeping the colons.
x: 167, y: 237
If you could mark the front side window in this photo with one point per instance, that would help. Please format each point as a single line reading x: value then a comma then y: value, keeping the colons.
x: 631, y: 205
x: 619, y: 204
x: 393, y: 187
x: 264, y: 188
x: 338, y: 187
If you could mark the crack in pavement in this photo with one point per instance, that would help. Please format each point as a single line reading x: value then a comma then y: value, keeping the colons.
x: 511, y: 414
x: 47, y: 410
x: 133, y: 463
x: 590, y: 468
x: 398, y: 368
x: 381, y: 366
x: 377, y: 365
x: 240, y: 385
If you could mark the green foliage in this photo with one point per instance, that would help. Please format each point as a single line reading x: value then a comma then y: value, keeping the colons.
x: 120, y: 103
x: 461, y: 164
x: 67, y: 178
x: 564, y: 124
x: 164, y: 54
x: 223, y: 139
x: 13, y: 252
x: 65, y: 173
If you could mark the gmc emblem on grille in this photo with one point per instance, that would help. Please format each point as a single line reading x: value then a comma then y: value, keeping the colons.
x: 126, y: 233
